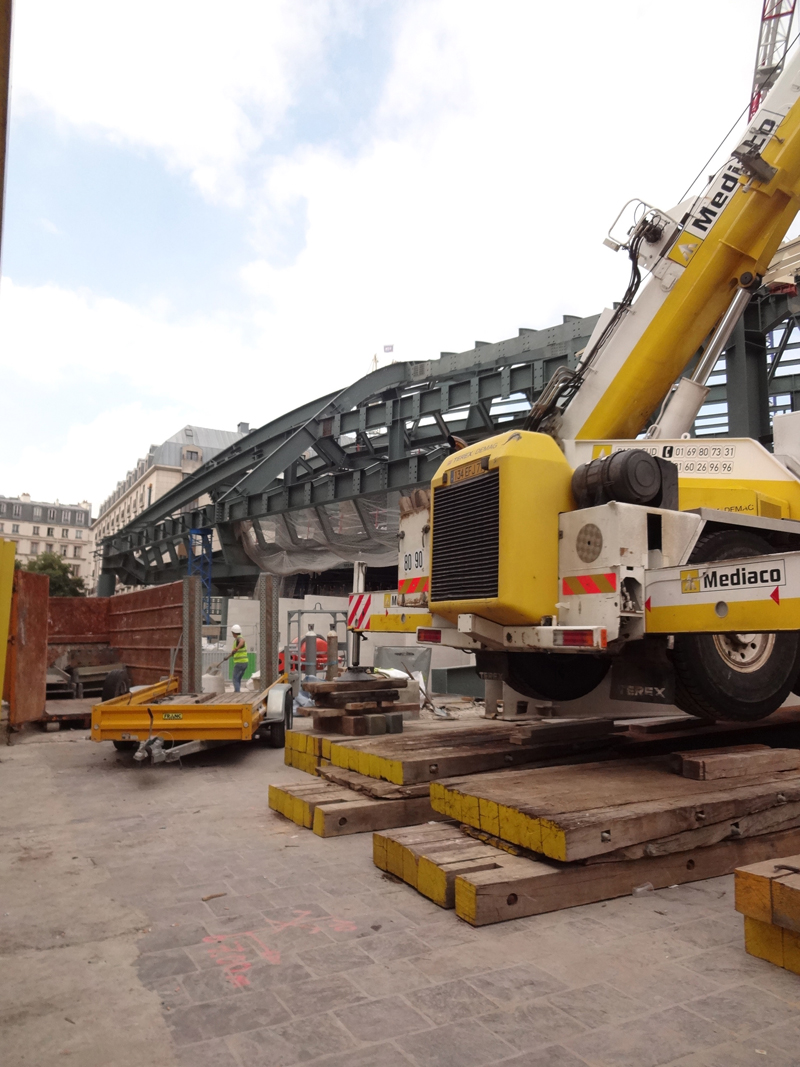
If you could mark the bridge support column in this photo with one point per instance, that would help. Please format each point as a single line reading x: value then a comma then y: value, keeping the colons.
x: 106, y: 584
x: 268, y: 635
x: 192, y: 681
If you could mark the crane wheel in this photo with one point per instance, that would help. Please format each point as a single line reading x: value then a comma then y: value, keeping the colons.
x: 546, y: 675
x: 740, y: 677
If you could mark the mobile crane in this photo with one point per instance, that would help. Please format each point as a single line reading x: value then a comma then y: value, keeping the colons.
x: 572, y: 548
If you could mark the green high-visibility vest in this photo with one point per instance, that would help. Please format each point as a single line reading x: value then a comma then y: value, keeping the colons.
x: 240, y: 655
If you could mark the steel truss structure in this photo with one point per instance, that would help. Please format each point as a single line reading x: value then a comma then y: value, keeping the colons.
x: 388, y: 432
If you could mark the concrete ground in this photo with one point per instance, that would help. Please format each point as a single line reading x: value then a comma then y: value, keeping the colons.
x: 154, y: 916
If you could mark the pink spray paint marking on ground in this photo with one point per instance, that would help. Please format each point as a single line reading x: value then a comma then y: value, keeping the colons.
x: 231, y: 951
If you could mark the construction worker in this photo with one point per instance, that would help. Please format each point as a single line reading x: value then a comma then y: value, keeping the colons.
x: 239, y: 656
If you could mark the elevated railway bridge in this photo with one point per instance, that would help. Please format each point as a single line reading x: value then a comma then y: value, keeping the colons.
x: 320, y: 486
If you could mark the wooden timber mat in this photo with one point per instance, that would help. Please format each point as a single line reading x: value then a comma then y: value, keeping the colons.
x: 427, y: 751
x: 591, y: 809
x: 440, y: 750
x: 487, y: 885
x: 331, y: 810
x: 637, y: 733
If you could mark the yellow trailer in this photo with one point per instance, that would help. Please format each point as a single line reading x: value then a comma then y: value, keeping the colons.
x: 149, y: 720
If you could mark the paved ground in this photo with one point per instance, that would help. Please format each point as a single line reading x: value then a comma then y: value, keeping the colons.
x: 112, y: 958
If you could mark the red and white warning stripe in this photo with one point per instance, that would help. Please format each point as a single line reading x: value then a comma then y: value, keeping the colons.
x: 358, y: 610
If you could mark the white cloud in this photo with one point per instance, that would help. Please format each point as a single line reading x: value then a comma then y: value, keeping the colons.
x: 62, y: 344
x: 504, y: 146
x: 500, y: 149
x: 199, y: 82
x: 52, y: 334
x: 92, y: 456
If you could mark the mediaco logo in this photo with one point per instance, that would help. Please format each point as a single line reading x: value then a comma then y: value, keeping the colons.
x: 690, y: 581
x: 699, y: 580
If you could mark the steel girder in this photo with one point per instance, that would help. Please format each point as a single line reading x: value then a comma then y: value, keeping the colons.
x: 387, y: 431
x: 761, y: 374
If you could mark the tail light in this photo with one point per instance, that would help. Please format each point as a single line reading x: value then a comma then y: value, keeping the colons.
x: 429, y: 637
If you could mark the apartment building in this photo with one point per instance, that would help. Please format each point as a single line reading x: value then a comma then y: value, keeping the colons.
x: 37, y: 526
x: 163, y: 467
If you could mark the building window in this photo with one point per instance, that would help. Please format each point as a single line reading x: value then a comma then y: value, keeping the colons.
x: 15, y: 527
x: 192, y: 455
x: 64, y: 550
x: 2, y: 509
x: 48, y: 548
x: 34, y: 548
x: 78, y: 535
x: 37, y: 513
x: 76, y: 551
x: 51, y: 513
x: 36, y: 531
x: 17, y: 510
x: 149, y: 495
x: 76, y: 571
x: 79, y: 518
x: 65, y: 533
x: 66, y: 516
x: 51, y: 531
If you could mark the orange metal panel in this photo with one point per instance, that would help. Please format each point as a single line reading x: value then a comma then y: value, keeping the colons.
x: 26, y: 664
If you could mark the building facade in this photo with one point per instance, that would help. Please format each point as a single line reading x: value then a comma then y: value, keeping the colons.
x: 37, y: 526
x: 163, y: 467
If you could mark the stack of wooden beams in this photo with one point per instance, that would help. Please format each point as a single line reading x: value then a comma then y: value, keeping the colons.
x: 342, y: 805
x: 387, y: 778
x: 768, y: 895
x: 359, y: 706
x: 558, y: 836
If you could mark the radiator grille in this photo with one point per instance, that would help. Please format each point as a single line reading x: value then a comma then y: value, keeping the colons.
x: 466, y: 539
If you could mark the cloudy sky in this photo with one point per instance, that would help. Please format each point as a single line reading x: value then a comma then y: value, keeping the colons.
x: 215, y: 212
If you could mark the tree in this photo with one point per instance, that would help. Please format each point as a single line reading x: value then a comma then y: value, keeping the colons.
x: 62, y: 580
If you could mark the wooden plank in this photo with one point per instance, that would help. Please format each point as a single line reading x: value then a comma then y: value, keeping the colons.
x: 365, y: 815
x: 770, y: 892
x: 395, y: 760
x: 351, y: 685
x: 328, y: 721
x: 786, y: 902
x: 518, y: 887
x: 584, y: 810
x: 668, y: 724
x: 649, y: 731
x: 676, y: 758
x: 772, y: 943
x: 348, y: 696
x: 373, y: 787
x: 430, y: 858
x: 551, y: 731
x: 332, y: 811
x: 780, y: 817
x: 706, y: 766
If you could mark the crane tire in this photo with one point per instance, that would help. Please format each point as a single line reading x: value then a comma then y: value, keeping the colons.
x: 553, y: 675
x: 730, y: 676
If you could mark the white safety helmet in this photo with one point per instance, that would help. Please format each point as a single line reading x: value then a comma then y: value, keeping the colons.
x: 236, y: 628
